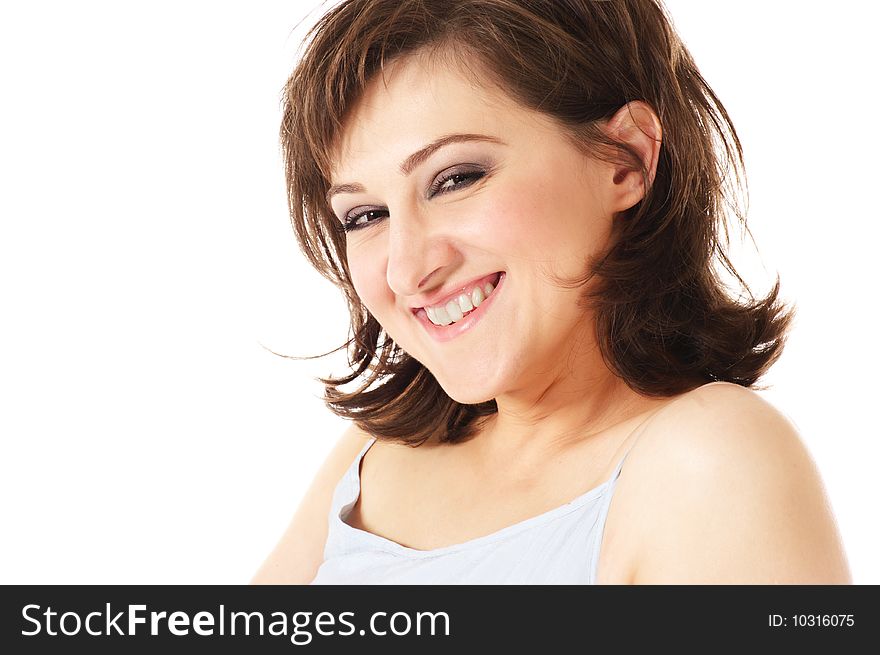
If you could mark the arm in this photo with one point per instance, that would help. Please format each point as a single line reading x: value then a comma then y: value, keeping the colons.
x: 736, y: 499
x: 299, y: 553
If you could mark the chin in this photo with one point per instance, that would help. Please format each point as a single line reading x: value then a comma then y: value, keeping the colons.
x: 468, y: 392
x: 470, y: 386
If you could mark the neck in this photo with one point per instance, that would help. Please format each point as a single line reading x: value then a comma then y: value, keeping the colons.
x: 552, y: 410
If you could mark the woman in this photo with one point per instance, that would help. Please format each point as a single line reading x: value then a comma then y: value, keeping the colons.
x: 522, y: 202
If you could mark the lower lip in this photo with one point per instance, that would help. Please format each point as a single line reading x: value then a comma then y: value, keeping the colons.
x: 451, y: 331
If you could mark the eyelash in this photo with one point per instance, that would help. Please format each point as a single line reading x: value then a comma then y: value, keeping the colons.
x: 469, y: 178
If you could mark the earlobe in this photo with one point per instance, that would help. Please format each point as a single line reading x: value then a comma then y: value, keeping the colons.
x: 637, y: 125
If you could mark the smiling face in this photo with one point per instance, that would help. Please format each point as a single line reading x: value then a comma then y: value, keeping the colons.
x: 501, y: 197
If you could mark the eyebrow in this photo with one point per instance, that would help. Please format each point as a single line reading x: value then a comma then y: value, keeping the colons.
x: 419, y: 156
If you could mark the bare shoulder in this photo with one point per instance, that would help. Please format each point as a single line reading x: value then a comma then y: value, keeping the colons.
x: 728, y: 494
x: 300, y: 551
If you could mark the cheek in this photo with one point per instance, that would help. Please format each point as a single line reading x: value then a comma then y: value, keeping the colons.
x: 368, y: 278
x: 548, y: 227
x: 538, y: 221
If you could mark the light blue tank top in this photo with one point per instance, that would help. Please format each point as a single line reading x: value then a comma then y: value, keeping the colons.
x: 560, y: 546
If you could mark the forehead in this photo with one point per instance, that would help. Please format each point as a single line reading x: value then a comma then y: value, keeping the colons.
x: 415, y: 100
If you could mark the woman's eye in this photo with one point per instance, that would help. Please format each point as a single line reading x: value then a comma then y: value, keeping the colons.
x: 361, y: 219
x: 455, y: 180
x: 444, y: 184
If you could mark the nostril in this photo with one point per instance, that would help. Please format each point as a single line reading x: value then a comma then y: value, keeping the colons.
x: 425, y: 279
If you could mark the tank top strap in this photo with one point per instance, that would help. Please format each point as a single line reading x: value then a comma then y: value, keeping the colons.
x: 619, y: 467
x: 608, y: 494
x: 635, y: 435
x: 348, y: 488
x: 345, y: 494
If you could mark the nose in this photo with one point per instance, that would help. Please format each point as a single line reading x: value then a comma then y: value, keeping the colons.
x: 417, y: 255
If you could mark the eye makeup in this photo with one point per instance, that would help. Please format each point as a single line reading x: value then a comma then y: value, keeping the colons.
x: 451, y: 179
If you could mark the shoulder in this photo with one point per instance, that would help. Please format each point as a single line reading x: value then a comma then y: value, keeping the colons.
x: 341, y: 456
x: 300, y: 551
x: 728, y: 493
x: 719, y: 428
x: 722, y: 424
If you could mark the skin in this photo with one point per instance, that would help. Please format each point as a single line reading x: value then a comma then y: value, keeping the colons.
x: 717, y: 486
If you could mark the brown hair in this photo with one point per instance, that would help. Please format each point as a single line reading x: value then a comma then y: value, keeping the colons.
x: 665, y: 323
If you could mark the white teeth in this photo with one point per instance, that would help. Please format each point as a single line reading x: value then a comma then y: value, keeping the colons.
x: 442, y: 316
x: 455, y: 310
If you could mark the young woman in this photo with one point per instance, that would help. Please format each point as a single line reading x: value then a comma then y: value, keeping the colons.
x: 523, y: 204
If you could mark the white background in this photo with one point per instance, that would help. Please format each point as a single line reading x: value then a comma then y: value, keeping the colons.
x: 147, y: 267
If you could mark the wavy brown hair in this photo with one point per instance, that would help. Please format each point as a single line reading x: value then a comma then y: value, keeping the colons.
x: 665, y: 320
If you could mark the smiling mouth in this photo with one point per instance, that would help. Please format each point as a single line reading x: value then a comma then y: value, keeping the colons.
x: 459, y: 306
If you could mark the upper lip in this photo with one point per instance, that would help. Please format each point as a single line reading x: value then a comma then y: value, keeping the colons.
x: 451, y: 291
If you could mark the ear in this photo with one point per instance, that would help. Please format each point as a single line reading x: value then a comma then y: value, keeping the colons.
x: 636, y: 124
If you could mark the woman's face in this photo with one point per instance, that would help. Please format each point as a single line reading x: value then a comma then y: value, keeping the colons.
x: 511, y: 204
